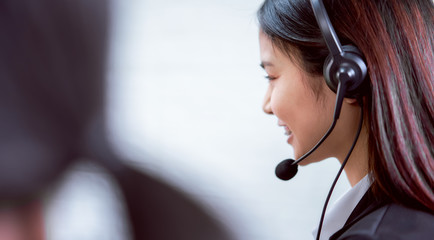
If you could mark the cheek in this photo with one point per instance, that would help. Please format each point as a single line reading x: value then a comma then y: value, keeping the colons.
x: 289, y: 99
x: 307, y: 118
x: 312, y: 124
x: 281, y: 104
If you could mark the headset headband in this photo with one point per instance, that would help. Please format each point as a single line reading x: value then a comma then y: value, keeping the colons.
x: 326, y: 27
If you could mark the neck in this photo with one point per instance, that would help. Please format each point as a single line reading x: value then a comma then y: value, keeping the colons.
x: 357, y: 166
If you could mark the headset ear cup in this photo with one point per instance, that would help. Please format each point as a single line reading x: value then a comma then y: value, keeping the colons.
x: 350, y: 60
x: 328, y: 69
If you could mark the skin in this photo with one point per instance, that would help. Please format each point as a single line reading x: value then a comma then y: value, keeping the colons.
x: 22, y: 222
x: 306, y: 117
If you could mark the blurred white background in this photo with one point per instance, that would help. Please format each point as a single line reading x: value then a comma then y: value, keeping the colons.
x: 185, y: 104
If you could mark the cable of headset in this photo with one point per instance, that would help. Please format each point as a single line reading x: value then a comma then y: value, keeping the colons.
x: 360, y: 101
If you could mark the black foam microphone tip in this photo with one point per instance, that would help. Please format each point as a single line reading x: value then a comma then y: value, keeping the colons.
x: 286, y: 169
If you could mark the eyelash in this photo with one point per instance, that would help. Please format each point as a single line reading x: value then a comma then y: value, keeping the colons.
x: 270, y: 78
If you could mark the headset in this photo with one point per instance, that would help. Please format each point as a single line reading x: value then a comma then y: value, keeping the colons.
x: 344, y: 65
x: 345, y: 72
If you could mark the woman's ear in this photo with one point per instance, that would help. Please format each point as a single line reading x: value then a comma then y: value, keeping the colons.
x: 351, y: 101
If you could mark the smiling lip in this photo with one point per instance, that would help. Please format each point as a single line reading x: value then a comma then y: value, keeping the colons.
x: 287, y: 131
x: 290, y: 137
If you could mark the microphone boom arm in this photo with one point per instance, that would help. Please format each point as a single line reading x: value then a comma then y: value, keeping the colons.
x: 338, y: 105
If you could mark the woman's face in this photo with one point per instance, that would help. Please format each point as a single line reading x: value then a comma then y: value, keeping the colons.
x: 304, y: 116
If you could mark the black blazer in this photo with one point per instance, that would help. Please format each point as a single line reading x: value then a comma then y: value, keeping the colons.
x: 372, y: 219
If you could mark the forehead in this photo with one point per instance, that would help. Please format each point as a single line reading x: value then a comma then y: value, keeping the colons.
x: 267, y: 49
x: 270, y: 54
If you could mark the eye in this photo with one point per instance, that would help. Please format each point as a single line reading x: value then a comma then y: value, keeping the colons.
x: 270, y: 78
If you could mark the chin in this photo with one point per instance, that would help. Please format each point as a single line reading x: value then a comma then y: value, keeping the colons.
x: 313, y: 158
x: 306, y: 162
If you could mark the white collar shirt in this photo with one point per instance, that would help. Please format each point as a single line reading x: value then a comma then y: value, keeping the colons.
x: 338, y: 214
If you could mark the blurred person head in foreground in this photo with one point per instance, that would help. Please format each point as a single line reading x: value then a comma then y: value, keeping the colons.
x: 52, y: 91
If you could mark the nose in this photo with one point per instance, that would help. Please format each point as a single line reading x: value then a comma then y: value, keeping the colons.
x: 266, y: 106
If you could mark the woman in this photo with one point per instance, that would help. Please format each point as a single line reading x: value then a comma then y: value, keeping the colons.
x: 391, y: 167
x: 52, y: 90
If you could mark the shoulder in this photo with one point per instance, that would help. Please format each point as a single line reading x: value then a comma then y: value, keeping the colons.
x: 392, y: 221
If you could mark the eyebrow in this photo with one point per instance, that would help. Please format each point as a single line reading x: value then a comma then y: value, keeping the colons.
x: 266, y: 64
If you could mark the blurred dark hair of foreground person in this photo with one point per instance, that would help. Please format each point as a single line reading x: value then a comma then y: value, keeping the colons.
x: 52, y: 90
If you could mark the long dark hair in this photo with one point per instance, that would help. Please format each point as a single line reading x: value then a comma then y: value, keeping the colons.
x: 396, y: 38
x: 52, y: 91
